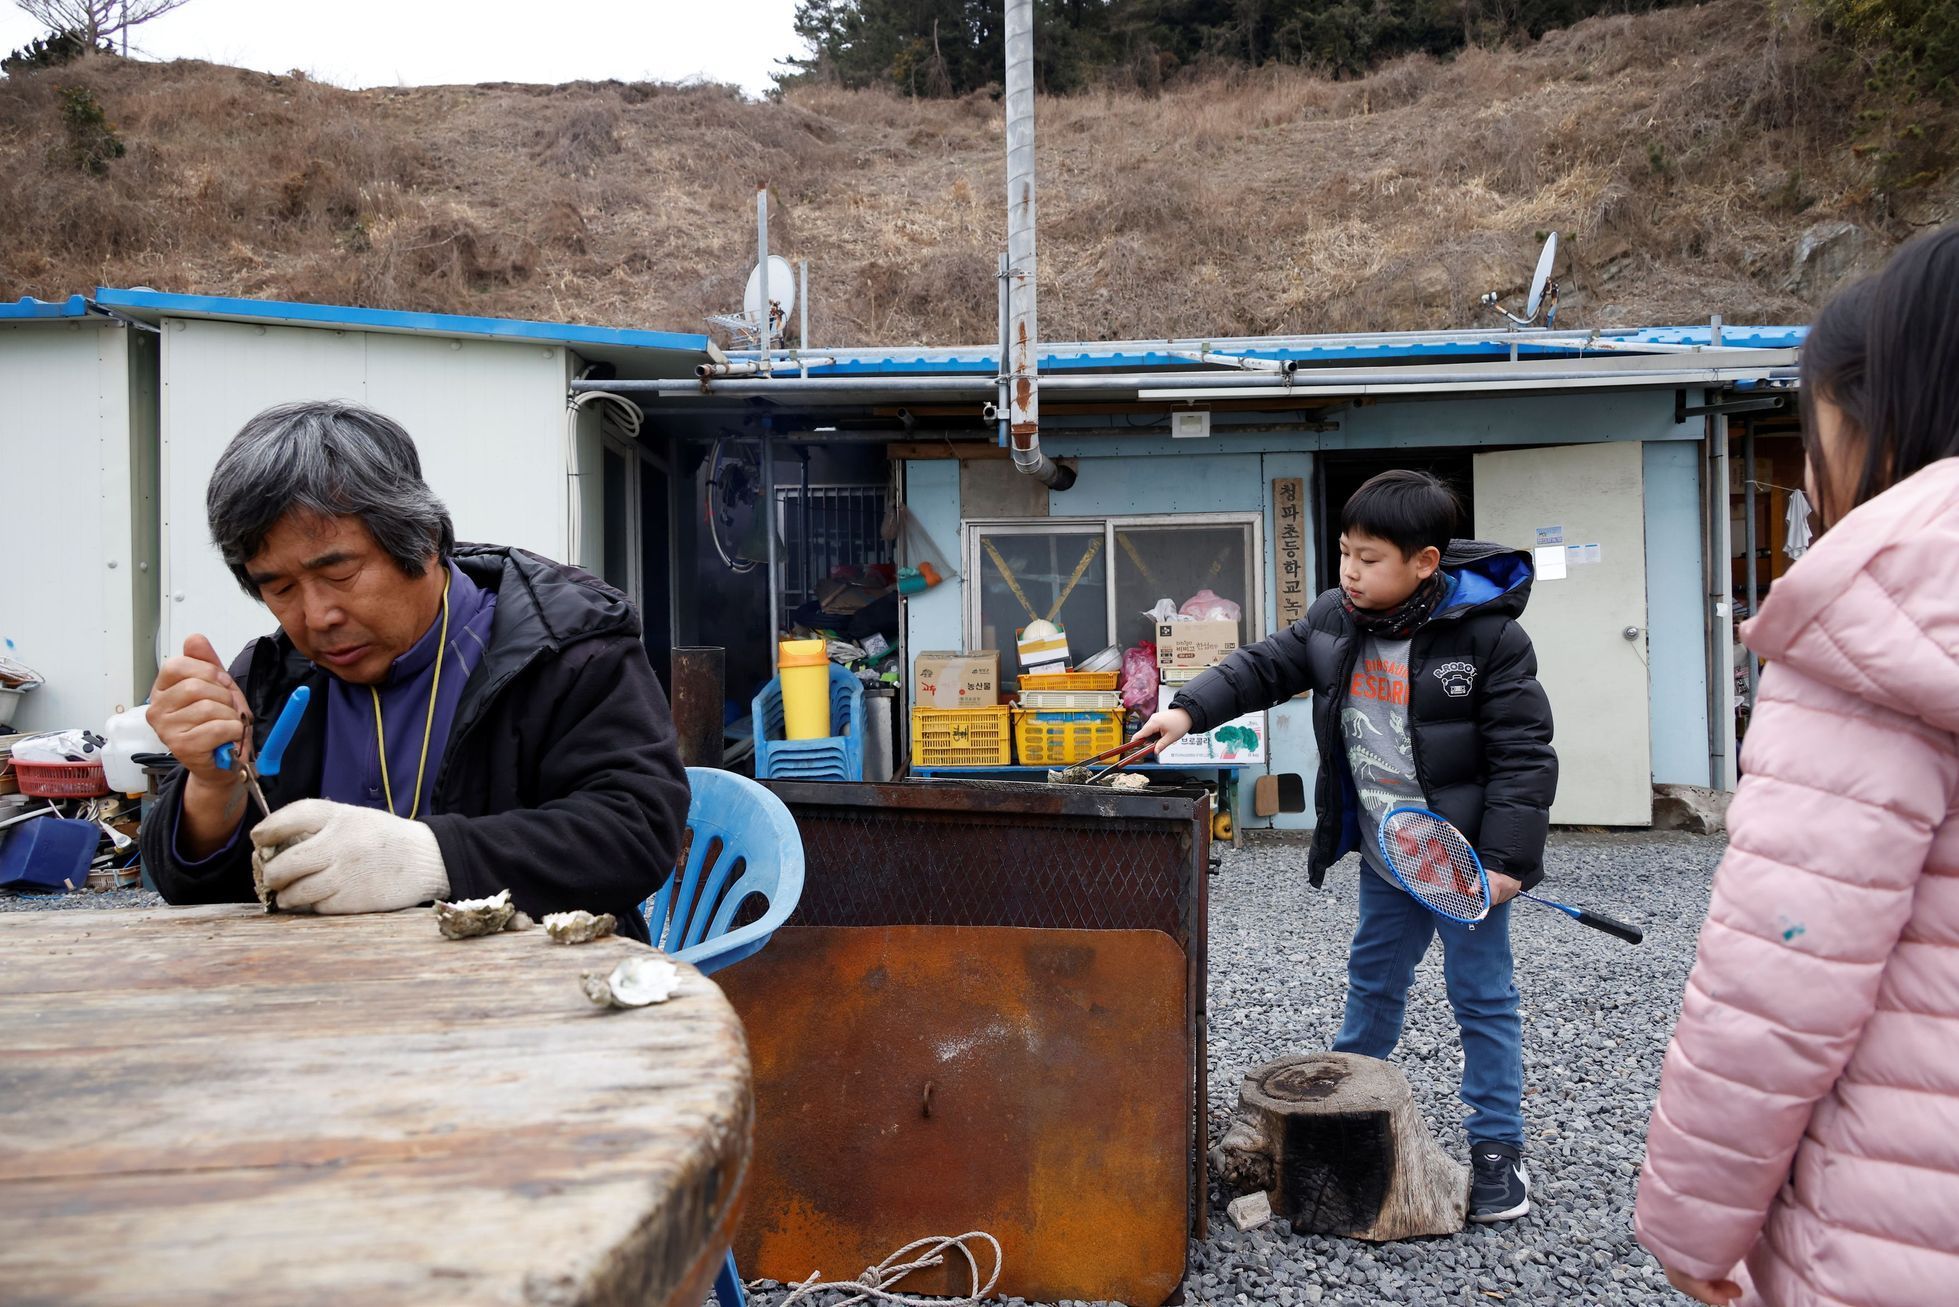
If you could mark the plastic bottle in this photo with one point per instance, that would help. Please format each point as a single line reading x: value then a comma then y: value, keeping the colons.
x: 128, y: 734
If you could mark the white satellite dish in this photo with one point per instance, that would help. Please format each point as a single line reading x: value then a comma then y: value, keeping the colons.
x: 1543, y: 291
x: 782, y: 289
x: 1537, y: 283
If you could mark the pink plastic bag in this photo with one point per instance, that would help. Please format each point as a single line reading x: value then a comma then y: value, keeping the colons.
x: 1206, y: 606
x: 1139, y: 678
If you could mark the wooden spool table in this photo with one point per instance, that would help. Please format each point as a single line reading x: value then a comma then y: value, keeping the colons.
x: 210, y: 1105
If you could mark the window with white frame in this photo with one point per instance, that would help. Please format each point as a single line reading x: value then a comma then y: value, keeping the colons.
x: 1101, y: 578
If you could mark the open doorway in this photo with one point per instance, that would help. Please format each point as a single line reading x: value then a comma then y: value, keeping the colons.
x: 636, y: 541
x: 1342, y: 474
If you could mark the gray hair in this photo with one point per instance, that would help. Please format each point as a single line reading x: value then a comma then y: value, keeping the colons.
x: 332, y: 458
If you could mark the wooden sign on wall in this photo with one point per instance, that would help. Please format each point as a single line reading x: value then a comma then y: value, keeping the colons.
x: 1289, y: 548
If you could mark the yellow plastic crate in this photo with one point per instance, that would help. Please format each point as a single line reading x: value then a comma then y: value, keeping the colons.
x: 1057, y: 739
x: 960, y: 737
x: 1070, y: 681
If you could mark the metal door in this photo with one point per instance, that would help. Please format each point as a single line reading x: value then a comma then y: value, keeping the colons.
x: 1581, y: 509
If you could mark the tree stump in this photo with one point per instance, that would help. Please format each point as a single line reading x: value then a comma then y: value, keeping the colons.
x: 1335, y: 1142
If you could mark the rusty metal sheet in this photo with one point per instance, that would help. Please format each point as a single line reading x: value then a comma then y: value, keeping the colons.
x: 930, y: 1080
x: 1009, y: 853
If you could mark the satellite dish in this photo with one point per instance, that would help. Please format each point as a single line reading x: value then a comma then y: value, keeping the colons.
x: 1538, y: 282
x: 782, y: 289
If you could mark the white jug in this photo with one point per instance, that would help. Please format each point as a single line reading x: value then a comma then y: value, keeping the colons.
x: 128, y: 734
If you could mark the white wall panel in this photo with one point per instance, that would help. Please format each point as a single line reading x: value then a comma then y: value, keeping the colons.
x: 488, y: 418
x: 68, y: 565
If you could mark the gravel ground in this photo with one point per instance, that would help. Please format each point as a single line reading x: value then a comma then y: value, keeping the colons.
x: 1597, y: 1015
x: 115, y: 898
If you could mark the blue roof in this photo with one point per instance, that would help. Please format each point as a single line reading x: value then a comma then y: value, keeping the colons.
x: 296, y: 313
x: 1141, y: 355
x: 1057, y: 357
x: 26, y: 309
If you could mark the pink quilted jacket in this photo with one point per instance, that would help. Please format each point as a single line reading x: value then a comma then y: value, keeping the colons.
x: 1808, y: 1119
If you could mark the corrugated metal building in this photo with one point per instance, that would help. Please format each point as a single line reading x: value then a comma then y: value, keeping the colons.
x: 1609, y: 446
x: 1609, y: 449
x: 114, y: 410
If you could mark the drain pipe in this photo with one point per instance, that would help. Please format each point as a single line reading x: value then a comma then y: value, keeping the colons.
x: 1024, y: 407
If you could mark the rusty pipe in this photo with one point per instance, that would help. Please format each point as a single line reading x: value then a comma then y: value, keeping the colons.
x: 754, y: 367
x: 1022, y: 344
x: 699, y: 695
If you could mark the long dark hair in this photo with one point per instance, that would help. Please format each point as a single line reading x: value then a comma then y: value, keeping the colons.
x: 1836, y: 356
x: 1902, y: 395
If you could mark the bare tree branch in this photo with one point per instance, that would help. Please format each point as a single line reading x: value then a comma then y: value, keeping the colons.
x: 98, y: 20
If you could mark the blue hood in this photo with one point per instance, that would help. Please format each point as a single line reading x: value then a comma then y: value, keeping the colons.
x: 1486, y: 576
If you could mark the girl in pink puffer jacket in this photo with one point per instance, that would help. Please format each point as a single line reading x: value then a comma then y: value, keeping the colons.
x: 1804, y: 1151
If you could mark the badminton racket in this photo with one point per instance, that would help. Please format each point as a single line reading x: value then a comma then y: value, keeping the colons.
x: 1433, y: 861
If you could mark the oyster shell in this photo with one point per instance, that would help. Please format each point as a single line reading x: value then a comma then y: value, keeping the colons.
x: 579, y: 927
x: 261, y: 856
x: 466, y: 918
x: 639, y: 980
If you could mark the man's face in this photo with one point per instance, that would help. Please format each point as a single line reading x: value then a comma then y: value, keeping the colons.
x: 341, y: 599
x: 1377, y: 575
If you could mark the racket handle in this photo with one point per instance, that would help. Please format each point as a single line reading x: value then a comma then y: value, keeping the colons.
x: 1631, y: 934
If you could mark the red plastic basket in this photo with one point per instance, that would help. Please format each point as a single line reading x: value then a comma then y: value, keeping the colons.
x: 61, y: 780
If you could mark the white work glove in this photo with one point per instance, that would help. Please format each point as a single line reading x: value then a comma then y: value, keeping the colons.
x: 342, y: 859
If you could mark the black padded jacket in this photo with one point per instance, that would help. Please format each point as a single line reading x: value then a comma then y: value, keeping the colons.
x: 1480, y: 721
x: 562, y: 780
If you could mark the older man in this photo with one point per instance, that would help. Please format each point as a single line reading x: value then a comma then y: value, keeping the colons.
x: 480, y: 719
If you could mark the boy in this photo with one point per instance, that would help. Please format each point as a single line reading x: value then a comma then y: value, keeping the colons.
x: 1425, y: 693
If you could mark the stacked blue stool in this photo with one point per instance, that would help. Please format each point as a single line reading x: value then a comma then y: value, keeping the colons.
x: 835, y: 758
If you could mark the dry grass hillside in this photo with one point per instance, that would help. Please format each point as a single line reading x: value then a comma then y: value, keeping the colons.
x: 1683, y: 153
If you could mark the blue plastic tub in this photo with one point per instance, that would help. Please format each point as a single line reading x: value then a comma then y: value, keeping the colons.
x: 51, y: 853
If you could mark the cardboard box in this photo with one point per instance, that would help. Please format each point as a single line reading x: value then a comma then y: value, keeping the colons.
x: 1043, y: 653
x: 1243, y: 740
x: 1196, y: 645
x: 957, y: 680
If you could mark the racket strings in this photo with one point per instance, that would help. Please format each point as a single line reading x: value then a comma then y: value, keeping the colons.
x: 1435, y: 863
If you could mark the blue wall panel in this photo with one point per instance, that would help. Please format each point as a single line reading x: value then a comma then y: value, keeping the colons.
x: 1676, y: 614
x: 932, y: 619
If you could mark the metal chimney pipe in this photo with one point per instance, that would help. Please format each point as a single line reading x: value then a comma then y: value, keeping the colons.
x: 1024, y: 408
x: 762, y: 266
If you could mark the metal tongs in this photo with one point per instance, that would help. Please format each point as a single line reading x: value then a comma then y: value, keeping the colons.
x: 267, y: 761
x: 1123, y: 755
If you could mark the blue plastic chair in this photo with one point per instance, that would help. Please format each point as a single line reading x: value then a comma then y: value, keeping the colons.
x: 743, y: 845
x: 835, y: 758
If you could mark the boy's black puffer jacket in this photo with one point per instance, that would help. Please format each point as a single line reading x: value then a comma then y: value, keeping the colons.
x: 1479, y: 719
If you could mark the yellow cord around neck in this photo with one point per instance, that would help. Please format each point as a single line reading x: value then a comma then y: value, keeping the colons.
x: 428, y: 727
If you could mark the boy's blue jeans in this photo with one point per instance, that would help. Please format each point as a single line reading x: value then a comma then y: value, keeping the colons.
x: 1394, y: 933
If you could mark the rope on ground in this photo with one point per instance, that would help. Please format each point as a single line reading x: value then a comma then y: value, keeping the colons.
x: 876, y: 1284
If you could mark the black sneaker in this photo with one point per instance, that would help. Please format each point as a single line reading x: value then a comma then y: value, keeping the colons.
x: 1499, y: 1187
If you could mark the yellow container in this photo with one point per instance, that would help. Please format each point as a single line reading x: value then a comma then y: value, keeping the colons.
x: 1091, y: 681
x: 1060, y: 739
x: 960, y: 737
x: 804, y: 666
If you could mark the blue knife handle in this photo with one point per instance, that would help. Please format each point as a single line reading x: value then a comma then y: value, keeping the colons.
x: 276, y: 739
x: 281, y: 734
